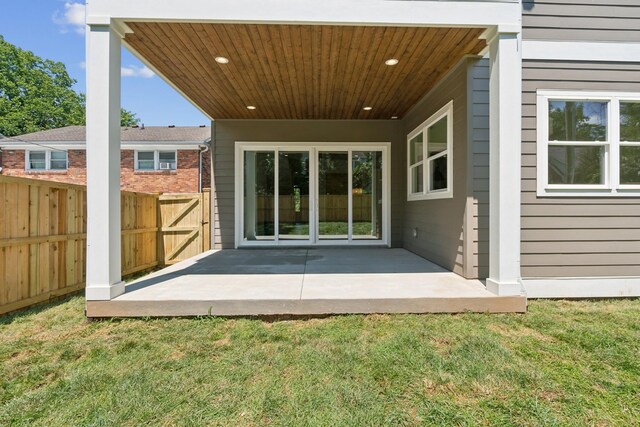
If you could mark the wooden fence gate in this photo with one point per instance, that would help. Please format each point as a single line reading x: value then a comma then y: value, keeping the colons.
x: 43, y: 236
x: 184, y: 230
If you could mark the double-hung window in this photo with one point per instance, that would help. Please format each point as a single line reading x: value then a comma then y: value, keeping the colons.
x: 155, y: 160
x: 46, y: 160
x: 430, y: 150
x: 588, y: 143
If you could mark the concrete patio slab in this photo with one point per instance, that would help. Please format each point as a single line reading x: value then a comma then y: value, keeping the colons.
x: 218, y: 287
x: 303, y: 282
x: 390, y: 285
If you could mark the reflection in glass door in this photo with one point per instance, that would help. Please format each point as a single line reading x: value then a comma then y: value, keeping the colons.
x: 333, y: 195
x: 366, y: 172
x: 293, y: 195
x: 259, y: 195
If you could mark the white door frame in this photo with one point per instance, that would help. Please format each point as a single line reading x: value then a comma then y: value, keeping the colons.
x: 313, y: 148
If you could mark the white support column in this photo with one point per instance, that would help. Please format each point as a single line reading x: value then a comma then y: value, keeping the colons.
x: 104, y: 280
x: 505, y: 160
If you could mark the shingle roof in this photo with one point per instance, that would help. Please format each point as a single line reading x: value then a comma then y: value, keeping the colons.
x: 148, y: 133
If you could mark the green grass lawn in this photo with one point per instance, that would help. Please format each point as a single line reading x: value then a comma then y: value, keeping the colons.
x: 563, y: 363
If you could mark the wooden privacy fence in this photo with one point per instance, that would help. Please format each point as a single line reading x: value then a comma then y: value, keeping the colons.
x: 139, y: 223
x: 43, y: 238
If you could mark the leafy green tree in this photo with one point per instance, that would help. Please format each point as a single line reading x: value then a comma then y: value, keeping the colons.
x: 630, y: 121
x: 630, y: 132
x: 37, y: 94
x: 587, y: 121
x: 127, y: 118
x: 576, y: 121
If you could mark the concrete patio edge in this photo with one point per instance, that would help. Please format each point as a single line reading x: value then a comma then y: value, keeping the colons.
x: 317, y: 307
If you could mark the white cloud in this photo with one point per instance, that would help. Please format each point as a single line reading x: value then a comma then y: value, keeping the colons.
x: 133, y: 71
x: 72, y: 17
x: 130, y: 71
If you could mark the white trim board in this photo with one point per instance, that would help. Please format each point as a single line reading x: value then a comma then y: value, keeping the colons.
x: 580, y: 51
x: 582, y: 287
x: 506, y: 14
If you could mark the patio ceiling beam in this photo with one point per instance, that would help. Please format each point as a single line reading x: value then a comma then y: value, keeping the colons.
x: 503, y: 14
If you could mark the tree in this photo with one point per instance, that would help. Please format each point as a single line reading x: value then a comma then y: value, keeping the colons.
x: 37, y: 94
x: 127, y: 118
x: 576, y: 121
x: 630, y: 132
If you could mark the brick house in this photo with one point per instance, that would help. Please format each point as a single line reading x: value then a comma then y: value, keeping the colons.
x: 153, y: 159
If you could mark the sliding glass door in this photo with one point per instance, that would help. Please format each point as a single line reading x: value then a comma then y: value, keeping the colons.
x: 293, y: 195
x: 297, y: 195
x: 333, y: 195
x: 259, y: 195
x: 366, y: 195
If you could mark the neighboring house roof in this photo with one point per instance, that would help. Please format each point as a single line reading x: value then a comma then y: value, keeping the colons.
x: 130, y: 136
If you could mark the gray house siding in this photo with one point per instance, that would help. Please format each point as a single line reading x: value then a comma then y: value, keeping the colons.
x: 478, y: 177
x: 447, y: 228
x: 227, y: 132
x: 593, y: 20
x: 568, y: 236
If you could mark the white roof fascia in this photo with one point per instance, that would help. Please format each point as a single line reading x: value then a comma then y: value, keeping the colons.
x: 312, y: 12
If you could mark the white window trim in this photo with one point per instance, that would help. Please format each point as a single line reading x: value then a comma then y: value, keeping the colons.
x: 612, y: 186
x: 156, y: 160
x: 47, y: 161
x: 447, y: 193
x: 314, y: 148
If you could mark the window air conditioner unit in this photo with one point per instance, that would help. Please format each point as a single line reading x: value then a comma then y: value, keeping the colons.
x: 166, y: 165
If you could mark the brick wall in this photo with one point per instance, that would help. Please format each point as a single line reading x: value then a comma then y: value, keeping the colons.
x: 206, y: 169
x: 182, y: 180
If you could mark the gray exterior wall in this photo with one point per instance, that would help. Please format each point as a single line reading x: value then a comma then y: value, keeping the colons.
x: 592, y: 20
x: 569, y: 236
x: 227, y: 132
x: 478, y: 154
x: 448, y: 229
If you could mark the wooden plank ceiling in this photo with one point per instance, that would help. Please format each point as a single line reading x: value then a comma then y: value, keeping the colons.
x: 302, y: 71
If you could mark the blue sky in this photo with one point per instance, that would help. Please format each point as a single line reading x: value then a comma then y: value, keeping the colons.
x: 54, y: 29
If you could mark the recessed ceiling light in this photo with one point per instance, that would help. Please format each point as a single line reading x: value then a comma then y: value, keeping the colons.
x: 394, y: 117
x: 368, y: 108
x: 222, y: 60
x: 391, y: 61
x: 251, y: 107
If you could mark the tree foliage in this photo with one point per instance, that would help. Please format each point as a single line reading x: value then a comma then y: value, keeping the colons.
x: 37, y: 94
x: 127, y: 118
x: 588, y: 121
